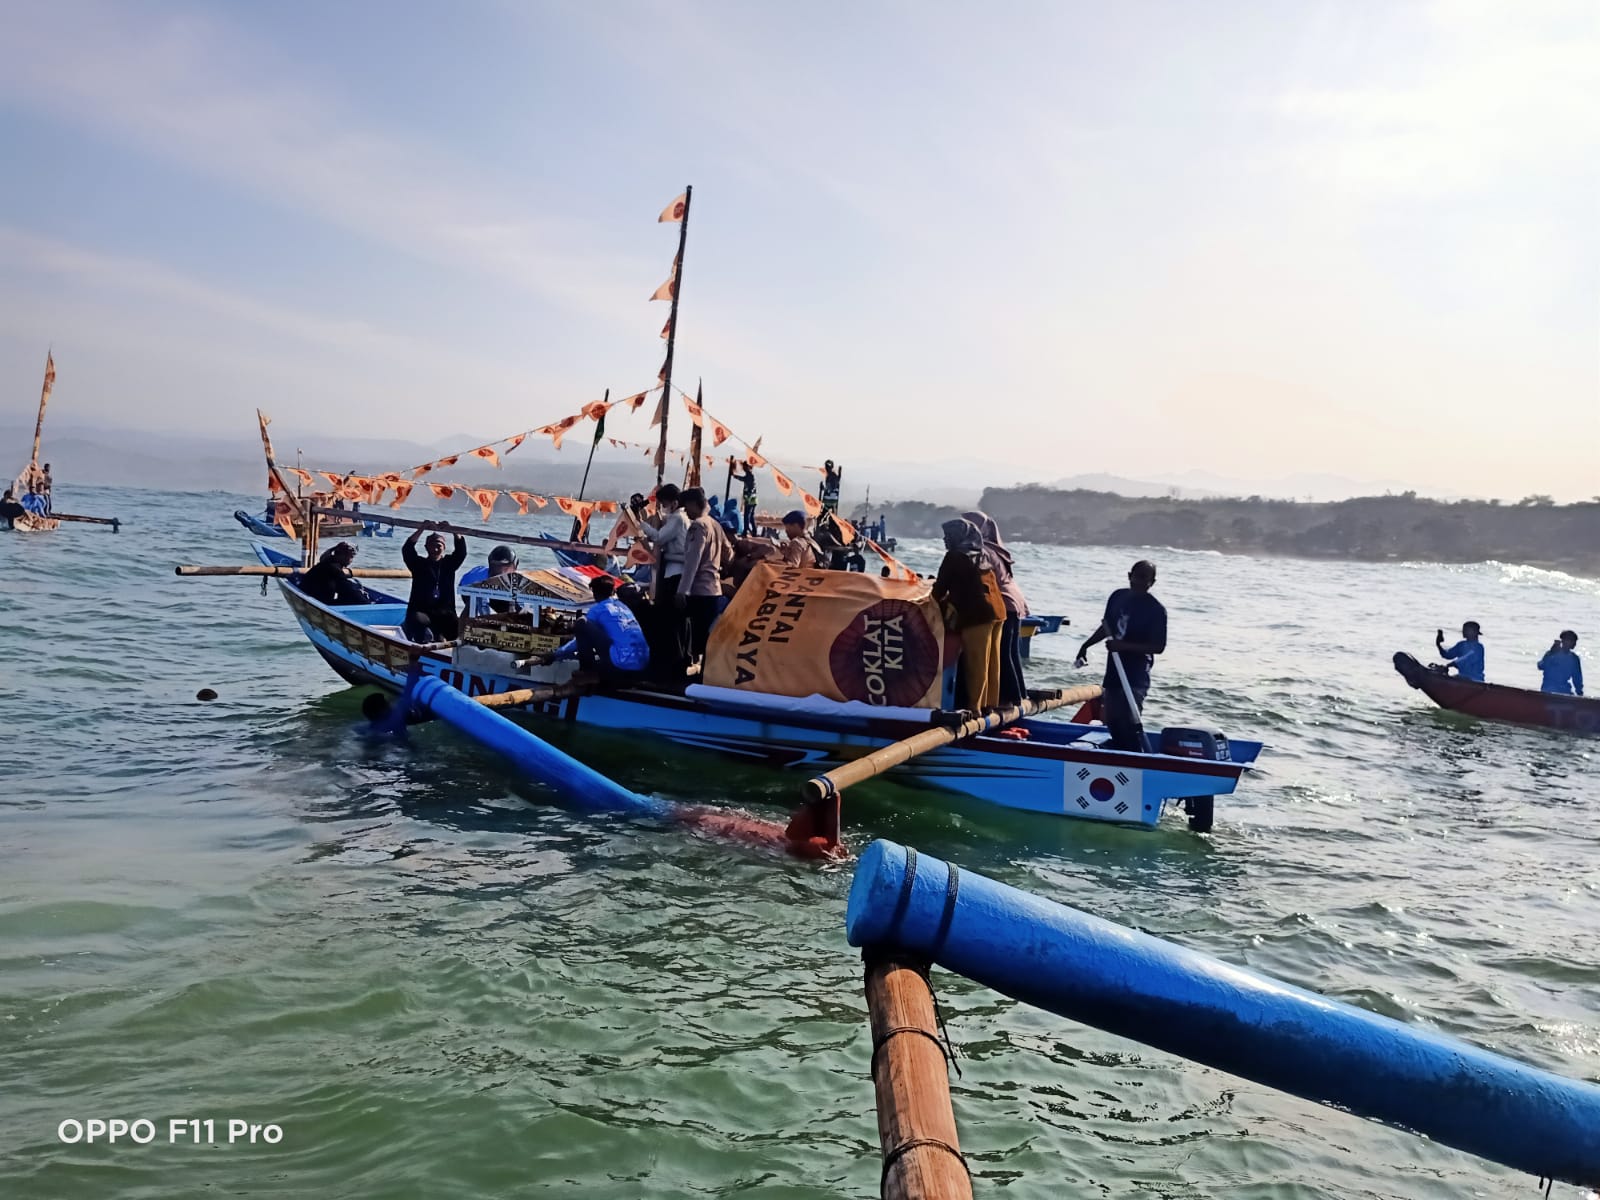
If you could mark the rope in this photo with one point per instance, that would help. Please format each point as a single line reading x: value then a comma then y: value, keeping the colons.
x: 880, y: 1043
x: 905, y: 1147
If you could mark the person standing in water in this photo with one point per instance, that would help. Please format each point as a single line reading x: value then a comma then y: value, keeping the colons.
x: 1466, y: 656
x: 1563, y: 671
x: 1134, y: 630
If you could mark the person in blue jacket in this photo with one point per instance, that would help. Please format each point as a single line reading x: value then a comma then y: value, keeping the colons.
x: 1563, y: 672
x: 1466, y: 656
x: 609, y: 640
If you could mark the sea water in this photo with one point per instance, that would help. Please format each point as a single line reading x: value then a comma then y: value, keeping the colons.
x: 435, y: 980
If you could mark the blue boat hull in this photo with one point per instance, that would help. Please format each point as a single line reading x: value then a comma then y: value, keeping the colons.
x: 1043, y: 773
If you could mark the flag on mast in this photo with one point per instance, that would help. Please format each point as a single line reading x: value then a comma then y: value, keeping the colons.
x: 675, y: 210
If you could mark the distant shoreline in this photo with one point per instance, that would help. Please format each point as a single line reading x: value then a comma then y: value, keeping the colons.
x: 1373, y: 529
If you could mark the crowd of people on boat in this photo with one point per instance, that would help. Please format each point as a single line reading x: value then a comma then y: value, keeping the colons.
x: 661, y: 630
x: 1560, y: 668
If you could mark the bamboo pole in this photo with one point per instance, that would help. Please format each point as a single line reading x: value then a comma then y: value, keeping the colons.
x: 916, y: 1124
x: 521, y: 696
x: 831, y: 783
x: 521, y: 539
x: 672, y: 334
x: 114, y: 522
x: 254, y: 569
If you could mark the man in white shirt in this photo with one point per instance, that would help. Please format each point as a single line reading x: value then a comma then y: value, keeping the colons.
x: 669, y: 633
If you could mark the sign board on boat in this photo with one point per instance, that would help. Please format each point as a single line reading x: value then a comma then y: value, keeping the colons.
x: 838, y: 634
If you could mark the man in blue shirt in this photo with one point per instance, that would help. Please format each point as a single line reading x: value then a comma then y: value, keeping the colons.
x: 1563, y: 673
x: 1135, y: 630
x: 1466, y: 656
x: 608, y: 640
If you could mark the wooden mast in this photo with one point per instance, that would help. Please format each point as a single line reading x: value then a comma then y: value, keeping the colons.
x: 44, y: 399
x: 672, y: 334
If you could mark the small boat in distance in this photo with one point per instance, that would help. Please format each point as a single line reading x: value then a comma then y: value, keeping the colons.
x: 27, y: 507
x: 1497, y: 702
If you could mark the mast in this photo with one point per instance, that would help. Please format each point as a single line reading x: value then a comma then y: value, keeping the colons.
x: 44, y: 399
x: 672, y: 334
x: 599, y: 432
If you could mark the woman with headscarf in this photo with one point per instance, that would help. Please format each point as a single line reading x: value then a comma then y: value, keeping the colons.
x: 969, y: 592
x: 1013, y: 688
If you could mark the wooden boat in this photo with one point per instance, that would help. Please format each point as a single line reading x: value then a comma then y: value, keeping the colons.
x: 1497, y: 702
x: 329, y: 528
x: 32, y: 511
x: 1055, y: 767
x: 32, y: 487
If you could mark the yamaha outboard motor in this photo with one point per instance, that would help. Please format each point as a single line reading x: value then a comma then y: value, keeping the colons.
x: 1209, y: 744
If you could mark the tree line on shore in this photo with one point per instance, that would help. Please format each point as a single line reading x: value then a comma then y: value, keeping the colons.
x: 1405, y: 527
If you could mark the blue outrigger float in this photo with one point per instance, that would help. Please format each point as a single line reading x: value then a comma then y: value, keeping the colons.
x: 1051, y: 767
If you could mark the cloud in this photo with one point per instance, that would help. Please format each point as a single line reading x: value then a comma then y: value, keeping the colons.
x: 183, y: 89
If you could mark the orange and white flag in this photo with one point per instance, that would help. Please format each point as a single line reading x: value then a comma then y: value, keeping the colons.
x: 402, y: 493
x: 635, y: 402
x: 448, y: 462
x: 419, y: 472
x: 484, y: 498
x: 520, y: 499
x: 303, y: 476
x: 515, y: 442
x: 666, y: 330
x: 280, y: 514
x: 582, y: 509
x: 442, y: 490
x: 754, y: 459
x: 674, y: 211
x: 596, y: 409
x: 812, y: 505
x: 538, y: 501
x: 696, y: 413
x: 606, y: 506
x: 335, y: 480
x: 847, y: 528
x: 487, y: 452
x: 668, y: 289
x: 661, y: 408
x: 785, y: 484
x: 719, y: 432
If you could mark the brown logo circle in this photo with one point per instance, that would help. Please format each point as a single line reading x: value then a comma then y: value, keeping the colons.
x: 886, y: 656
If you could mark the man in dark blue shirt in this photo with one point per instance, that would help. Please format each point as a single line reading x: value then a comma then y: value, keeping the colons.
x: 1135, y: 631
x: 431, y: 608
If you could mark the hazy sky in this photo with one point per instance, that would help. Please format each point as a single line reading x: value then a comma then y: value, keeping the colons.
x: 1359, y: 237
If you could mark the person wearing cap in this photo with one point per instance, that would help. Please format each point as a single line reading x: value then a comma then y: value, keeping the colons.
x: 706, y: 553
x: 801, y: 549
x: 669, y: 629
x: 502, y: 561
x: 431, y: 608
x: 330, y: 581
x: 1466, y: 656
x: 1563, y: 672
x: 608, y: 640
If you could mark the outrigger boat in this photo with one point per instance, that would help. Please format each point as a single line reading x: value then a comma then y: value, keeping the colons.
x: 869, y: 675
x: 1497, y: 702
x: 31, y: 511
x: 330, y: 529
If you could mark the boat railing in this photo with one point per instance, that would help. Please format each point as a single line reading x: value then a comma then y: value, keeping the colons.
x: 909, y: 912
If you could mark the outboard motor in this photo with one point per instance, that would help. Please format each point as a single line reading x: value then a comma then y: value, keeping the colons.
x: 1209, y: 744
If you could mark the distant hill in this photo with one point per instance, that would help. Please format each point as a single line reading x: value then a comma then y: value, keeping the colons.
x: 1403, y: 527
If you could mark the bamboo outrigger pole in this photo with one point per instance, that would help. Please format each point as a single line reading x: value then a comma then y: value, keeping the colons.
x: 520, y: 539
x: 829, y: 784
x: 285, y: 572
x: 910, y: 1076
x: 672, y: 333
